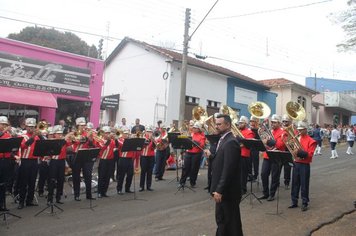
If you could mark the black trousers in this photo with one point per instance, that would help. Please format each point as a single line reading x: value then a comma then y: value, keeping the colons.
x: 210, y: 163
x: 160, y: 161
x: 300, y: 182
x: 105, y: 170
x: 43, y: 175
x: 244, y: 173
x: 287, y: 169
x: 255, y: 162
x: 87, y: 168
x: 27, y: 179
x: 228, y: 218
x: 270, y: 168
x: 191, y: 167
x: 56, y: 179
x: 146, y: 163
x: 5, y: 172
x: 125, y: 168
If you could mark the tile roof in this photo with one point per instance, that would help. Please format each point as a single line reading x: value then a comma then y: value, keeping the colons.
x: 284, y: 82
x: 175, y: 56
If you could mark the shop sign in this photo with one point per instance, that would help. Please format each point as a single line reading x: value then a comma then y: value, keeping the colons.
x: 111, y: 102
x: 22, y: 72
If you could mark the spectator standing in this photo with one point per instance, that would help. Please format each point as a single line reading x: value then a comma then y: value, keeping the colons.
x: 350, y: 138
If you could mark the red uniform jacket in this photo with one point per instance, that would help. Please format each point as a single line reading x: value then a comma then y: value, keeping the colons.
x: 308, y: 144
x: 130, y: 154
x: 198, y: 138
x: 277, y: 134
x: 247, y: 133
x: 27, y: 151
x: 148, y: 150
x: 5, y: 135
x: 106, y: 151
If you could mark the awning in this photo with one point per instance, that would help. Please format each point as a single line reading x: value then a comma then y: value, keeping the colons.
x: 27, y: 97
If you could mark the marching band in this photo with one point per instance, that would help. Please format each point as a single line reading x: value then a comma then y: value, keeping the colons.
x: 281, y: 136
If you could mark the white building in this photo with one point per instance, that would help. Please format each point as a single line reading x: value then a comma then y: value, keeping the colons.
x: 147, y: 78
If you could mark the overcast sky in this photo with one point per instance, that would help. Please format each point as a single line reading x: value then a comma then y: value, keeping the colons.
x: 260, y: 39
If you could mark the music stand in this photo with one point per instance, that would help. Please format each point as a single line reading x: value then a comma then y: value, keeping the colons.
x: 133, y: 144
x: 48, y: 147
x: 184, y: 143
x: 84, y: 156
x: 279, y: 157
x: 257, y: 144
x: 9, y: 145
x: 171, y: 138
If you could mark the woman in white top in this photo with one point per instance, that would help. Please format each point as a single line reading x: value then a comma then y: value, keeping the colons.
x: 334, y: 137
x: 350, y: 138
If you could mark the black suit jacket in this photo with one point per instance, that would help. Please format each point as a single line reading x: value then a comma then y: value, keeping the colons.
x: 226, y: 169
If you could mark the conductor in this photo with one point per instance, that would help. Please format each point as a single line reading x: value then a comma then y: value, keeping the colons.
x: 226, y: 178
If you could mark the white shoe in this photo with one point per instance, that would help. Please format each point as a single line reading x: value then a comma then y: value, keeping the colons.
x: 332, y: 157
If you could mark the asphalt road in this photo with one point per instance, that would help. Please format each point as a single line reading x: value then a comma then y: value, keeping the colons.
x: 168, y: 212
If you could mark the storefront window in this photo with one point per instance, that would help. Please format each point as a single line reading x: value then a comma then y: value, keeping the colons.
x: 17, y: 113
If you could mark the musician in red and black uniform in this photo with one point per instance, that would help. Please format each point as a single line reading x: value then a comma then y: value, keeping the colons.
x: 57, y: 166
x: 5, y: 163
x: 269, y: 167
x: 125, y: 166
x: 193, y: 156
x: 254, y: 163
x: 43, y: 165
x: 301, y: 169
x: 245, y: 152
x: 147, y: 161
x: 82, y: 141
x: 162, y: 153
x: 107, y: 146
x: 287, y: 122
x: 29, y: 164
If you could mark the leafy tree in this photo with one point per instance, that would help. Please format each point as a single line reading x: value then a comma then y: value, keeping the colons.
x: 52, y: 38
x: 347, y: 20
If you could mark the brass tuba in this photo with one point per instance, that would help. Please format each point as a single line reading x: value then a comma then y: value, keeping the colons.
x: 261, y: 110
x: 226, y: 110
x: 297, y: 113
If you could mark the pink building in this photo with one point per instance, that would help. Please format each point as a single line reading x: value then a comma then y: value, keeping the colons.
x: 48, y: 84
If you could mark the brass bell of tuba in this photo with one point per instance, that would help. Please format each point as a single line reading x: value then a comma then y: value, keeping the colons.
x: 297, y: 113
x: 259, y: 110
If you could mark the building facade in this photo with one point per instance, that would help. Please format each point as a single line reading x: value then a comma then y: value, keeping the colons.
x: 147, y: 79
x: 336, y: 103
x: 48, y: 84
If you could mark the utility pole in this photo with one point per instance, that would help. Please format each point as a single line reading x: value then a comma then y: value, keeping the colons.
x: 184, y: 68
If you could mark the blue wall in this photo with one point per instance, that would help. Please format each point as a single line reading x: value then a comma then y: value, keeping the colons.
x: 262, y: 95
x: 332, y: 85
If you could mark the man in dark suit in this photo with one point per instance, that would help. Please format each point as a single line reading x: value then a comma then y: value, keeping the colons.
x: 226, y: 180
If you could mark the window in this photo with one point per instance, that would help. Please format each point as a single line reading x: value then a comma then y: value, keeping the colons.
x: 214, y: 104
x: 302, y: 101
x: 191, y: 100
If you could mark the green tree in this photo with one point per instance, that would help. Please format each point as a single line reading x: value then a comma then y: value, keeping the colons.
x: 52, y: 38
x: 347, y: 20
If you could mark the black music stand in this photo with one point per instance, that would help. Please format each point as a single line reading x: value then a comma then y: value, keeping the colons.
x: 184, y: 143
x: 48, y: 147
x: 171, y: 138
x: 257, y: 145
x: 133, y: 144
x: 279, y: 157
x: 87, y: 155
x: 9, y: 145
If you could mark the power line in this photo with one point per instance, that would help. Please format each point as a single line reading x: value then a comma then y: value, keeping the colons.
x: 61, y: 28
x: 269, y: 11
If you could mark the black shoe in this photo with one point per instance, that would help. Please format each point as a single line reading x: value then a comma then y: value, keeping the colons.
x: 141, y: 189
x: 3, y: 209
x: 206, y: 188
x: 31, y: 204
x: 193, y: 185
x: 263, y: 197
x: 293, y: 206
x: 91, y: 198
x: 149, y: 189
x: 120, y: 193
x: 304, y: 208
x: 104, y: 195
x: 270, y: 199
x: 77, y: 199
x: 59, y: 202
x: 128, y: 191
x: 40, y: 194
x: 21, y: 205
